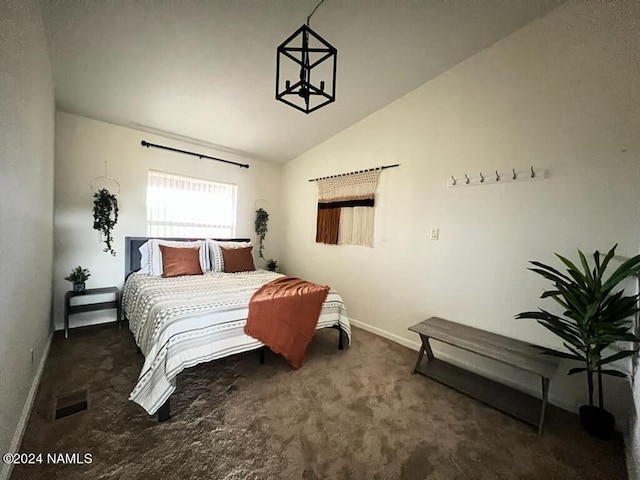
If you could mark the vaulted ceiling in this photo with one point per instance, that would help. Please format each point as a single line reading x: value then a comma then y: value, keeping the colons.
x: 205, y: 71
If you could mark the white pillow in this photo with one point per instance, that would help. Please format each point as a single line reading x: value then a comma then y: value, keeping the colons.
x: 155, y: 256
x: 217, y: 262
x: 144, y: 259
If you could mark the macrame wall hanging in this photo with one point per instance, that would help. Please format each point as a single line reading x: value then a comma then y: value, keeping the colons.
x: 346, y: 208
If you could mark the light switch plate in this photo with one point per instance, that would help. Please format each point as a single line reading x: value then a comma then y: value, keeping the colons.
x: 434, y: 233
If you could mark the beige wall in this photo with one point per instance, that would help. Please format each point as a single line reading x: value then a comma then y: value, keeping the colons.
x: 26, y: 210
x: 82, y: 147
x: 560, y: 94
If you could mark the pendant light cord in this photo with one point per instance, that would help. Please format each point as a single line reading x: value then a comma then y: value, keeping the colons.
x: 314, y: 11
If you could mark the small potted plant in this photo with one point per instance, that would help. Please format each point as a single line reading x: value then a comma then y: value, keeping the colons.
x: 272, y: 265
x: 78, y: 277
x: 594, y: 318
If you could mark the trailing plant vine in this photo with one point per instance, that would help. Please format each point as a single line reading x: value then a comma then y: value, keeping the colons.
x: 105, y: 216
x: 262, y: 221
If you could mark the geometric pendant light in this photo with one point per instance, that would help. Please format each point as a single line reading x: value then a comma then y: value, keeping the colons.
x: 306, y: 70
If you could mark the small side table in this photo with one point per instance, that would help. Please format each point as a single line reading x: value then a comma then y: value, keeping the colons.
x: 90, y: 307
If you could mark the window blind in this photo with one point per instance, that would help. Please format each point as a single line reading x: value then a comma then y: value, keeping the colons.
x: 180, y: 206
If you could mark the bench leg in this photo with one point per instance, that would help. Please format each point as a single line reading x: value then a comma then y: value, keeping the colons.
x: 425, y: 348
x: 545, y: 396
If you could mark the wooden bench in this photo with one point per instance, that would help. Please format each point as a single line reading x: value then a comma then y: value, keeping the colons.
x: 503, y: 349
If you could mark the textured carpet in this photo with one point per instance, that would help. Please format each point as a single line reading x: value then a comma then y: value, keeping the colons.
x: 354, y: 414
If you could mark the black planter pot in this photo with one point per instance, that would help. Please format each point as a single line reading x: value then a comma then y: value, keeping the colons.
x: 597, y: 422
x: 78, y: 287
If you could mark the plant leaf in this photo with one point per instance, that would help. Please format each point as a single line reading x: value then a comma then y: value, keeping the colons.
x: 556, y: 353
x: 617, y: 356
x: 610, y: 254
x: 550, y: 293
x: 550, y: 270
x: 587, y: 272
x: 573, y: 271
x: 614, y: 373
x: 630, y: 267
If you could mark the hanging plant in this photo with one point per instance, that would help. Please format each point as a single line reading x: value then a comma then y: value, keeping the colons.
x: 262, y: 219
x: 105, y: 216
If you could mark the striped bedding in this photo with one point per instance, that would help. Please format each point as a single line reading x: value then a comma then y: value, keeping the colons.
x: 183, y: 321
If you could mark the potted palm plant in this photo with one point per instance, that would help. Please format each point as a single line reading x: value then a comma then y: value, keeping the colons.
x: 594, y: 318
x: 78, y: 277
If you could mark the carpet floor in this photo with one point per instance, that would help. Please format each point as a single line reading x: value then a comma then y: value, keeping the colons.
x: 353, y: 414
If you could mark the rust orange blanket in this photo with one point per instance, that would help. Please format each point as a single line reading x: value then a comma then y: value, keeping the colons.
x: 283, y: 314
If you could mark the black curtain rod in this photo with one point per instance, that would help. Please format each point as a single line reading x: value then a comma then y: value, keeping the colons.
x: 199, y: 155
x: 353, y: 173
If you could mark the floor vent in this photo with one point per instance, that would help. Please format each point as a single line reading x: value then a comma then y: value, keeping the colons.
x: 69, y: 404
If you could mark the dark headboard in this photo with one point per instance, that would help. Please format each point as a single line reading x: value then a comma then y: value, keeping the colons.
x: 132, y: 244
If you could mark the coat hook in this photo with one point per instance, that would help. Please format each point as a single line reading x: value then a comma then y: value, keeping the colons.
x: 514, y: 173
x: 497, y: 176
x: 481, y: 178
x: 466, y: 179
x: 533, y: 174
x: 453, y: 180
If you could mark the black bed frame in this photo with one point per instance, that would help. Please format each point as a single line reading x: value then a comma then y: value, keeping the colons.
x: 132, y: 264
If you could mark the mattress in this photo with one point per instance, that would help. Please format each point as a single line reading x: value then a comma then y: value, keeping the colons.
x: 180, y: 322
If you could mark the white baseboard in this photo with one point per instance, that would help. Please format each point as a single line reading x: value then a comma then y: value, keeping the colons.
x: 477, y: 368
x: 383, y: 333
x: 5, y: 472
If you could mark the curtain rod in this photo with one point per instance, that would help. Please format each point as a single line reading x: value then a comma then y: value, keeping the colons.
x: 199, y: 155
x: 353, y: 173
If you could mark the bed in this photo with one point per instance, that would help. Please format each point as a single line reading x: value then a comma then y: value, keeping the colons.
x: 183, y: 321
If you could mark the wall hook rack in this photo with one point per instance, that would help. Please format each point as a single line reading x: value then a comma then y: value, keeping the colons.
x: 525, y: 175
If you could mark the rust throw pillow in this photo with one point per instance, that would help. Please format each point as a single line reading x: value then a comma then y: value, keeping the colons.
x: 178, y: 261
x: 237, y: 260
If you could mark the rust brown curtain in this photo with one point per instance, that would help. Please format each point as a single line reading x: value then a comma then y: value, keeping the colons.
x: 327, y: 225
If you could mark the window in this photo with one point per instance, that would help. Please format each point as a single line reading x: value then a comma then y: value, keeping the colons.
x: 189, y: 207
